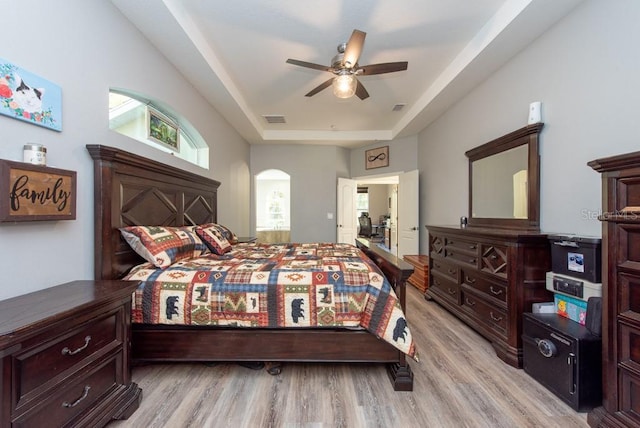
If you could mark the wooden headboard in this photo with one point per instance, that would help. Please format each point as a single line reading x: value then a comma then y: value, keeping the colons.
x: 132, y: 190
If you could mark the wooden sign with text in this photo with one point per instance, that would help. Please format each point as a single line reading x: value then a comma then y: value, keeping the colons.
x: 34, y: 192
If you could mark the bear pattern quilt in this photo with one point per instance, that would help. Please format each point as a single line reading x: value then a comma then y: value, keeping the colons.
x: 274, y: 286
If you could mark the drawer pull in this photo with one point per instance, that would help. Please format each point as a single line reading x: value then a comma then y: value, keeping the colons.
x: 85, y: 393
x: 451, y: 271
x: 493, y: 257
x: 495, y: 292
x: 495, y: 318
x: 472, y: 261
x: 451, y: 291
x: 472, y: 247
x: 470, y: 280
x: 469, y: 302
x: 67, y: 351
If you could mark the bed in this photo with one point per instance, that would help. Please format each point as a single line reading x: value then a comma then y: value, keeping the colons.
x: 130, y: 190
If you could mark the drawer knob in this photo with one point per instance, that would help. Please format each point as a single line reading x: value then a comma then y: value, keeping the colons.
x: 452, y: 271
x: 494, y: 317
x: 494, y: 291
x: 472, y: 261
x: 85, y: 393
x: 472, y: 247
x: 67, y: 351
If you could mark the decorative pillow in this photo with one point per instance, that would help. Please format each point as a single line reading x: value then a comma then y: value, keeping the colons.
x: 214, y: 237
x: 163, y: 245
x: 231, y: 237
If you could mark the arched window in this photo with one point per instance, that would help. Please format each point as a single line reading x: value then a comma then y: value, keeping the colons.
x: 273, y: 204
x: 156, y: 125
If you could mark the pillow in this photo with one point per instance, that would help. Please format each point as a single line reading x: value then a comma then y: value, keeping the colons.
x: 214, y: 237
x: 163, y: 245
x: 231, y: 237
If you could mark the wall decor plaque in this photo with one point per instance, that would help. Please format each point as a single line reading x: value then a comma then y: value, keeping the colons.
x: 33, y: 192
x: 376, y: 158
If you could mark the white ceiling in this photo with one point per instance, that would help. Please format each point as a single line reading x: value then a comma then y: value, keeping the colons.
x: 234, y: 52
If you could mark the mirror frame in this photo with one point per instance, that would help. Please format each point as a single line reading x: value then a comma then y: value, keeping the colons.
x: 528, y: 135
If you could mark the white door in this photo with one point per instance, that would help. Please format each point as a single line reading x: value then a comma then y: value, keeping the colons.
x: 408, y: 214
x: 346, y: 215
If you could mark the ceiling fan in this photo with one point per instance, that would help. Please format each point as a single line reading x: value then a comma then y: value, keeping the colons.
x: 345, y: 67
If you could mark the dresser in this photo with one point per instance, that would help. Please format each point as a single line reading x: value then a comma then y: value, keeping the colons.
x: 65, y: 356
x: 488, y: 277
x: 620, y: 292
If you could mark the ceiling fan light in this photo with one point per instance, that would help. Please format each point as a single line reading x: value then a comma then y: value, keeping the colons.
x: 344, y: 86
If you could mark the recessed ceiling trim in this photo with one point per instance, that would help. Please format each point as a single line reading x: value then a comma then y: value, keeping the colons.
x: 492, y: 29
x: 190, y: 28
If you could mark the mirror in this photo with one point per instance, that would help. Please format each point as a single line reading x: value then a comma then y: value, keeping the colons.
x: 504, y: 181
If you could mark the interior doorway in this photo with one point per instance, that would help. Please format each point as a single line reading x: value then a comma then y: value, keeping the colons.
x: 393, y: 205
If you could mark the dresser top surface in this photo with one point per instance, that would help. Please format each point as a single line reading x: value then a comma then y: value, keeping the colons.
x: 23, y: 312
x: 472, y: 231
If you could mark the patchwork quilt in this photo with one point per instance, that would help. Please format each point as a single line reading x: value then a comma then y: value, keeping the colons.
x: 267, y: 285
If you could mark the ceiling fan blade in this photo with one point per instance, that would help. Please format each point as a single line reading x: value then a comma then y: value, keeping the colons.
x: 319, y: 88
x: 354, y: 48
x: 309, y: 65
x: 387, y: 67
x: 361, y: 92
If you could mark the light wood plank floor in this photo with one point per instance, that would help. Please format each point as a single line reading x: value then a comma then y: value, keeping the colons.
x: 458, y: 383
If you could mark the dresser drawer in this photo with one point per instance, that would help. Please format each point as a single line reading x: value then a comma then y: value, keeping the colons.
x: 460, y: 245
x: 41, y: 363
x: 493, y: 289
x: 485, y: 312
x: 629, y: 253
x: 72, y: 398
x: 445, y: 288
x: 493, y: 259
x: 629, y: 286
x: 445, y: 269
x: 629, y: 400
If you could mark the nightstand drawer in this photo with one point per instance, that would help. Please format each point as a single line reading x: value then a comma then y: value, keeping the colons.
x: 45, y: 361
x: 73, y: 398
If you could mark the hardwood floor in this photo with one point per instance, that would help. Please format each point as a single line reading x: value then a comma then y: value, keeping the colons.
x: 459, y: 382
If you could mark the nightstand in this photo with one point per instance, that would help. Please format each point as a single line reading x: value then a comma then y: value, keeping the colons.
x: 65, y: 355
